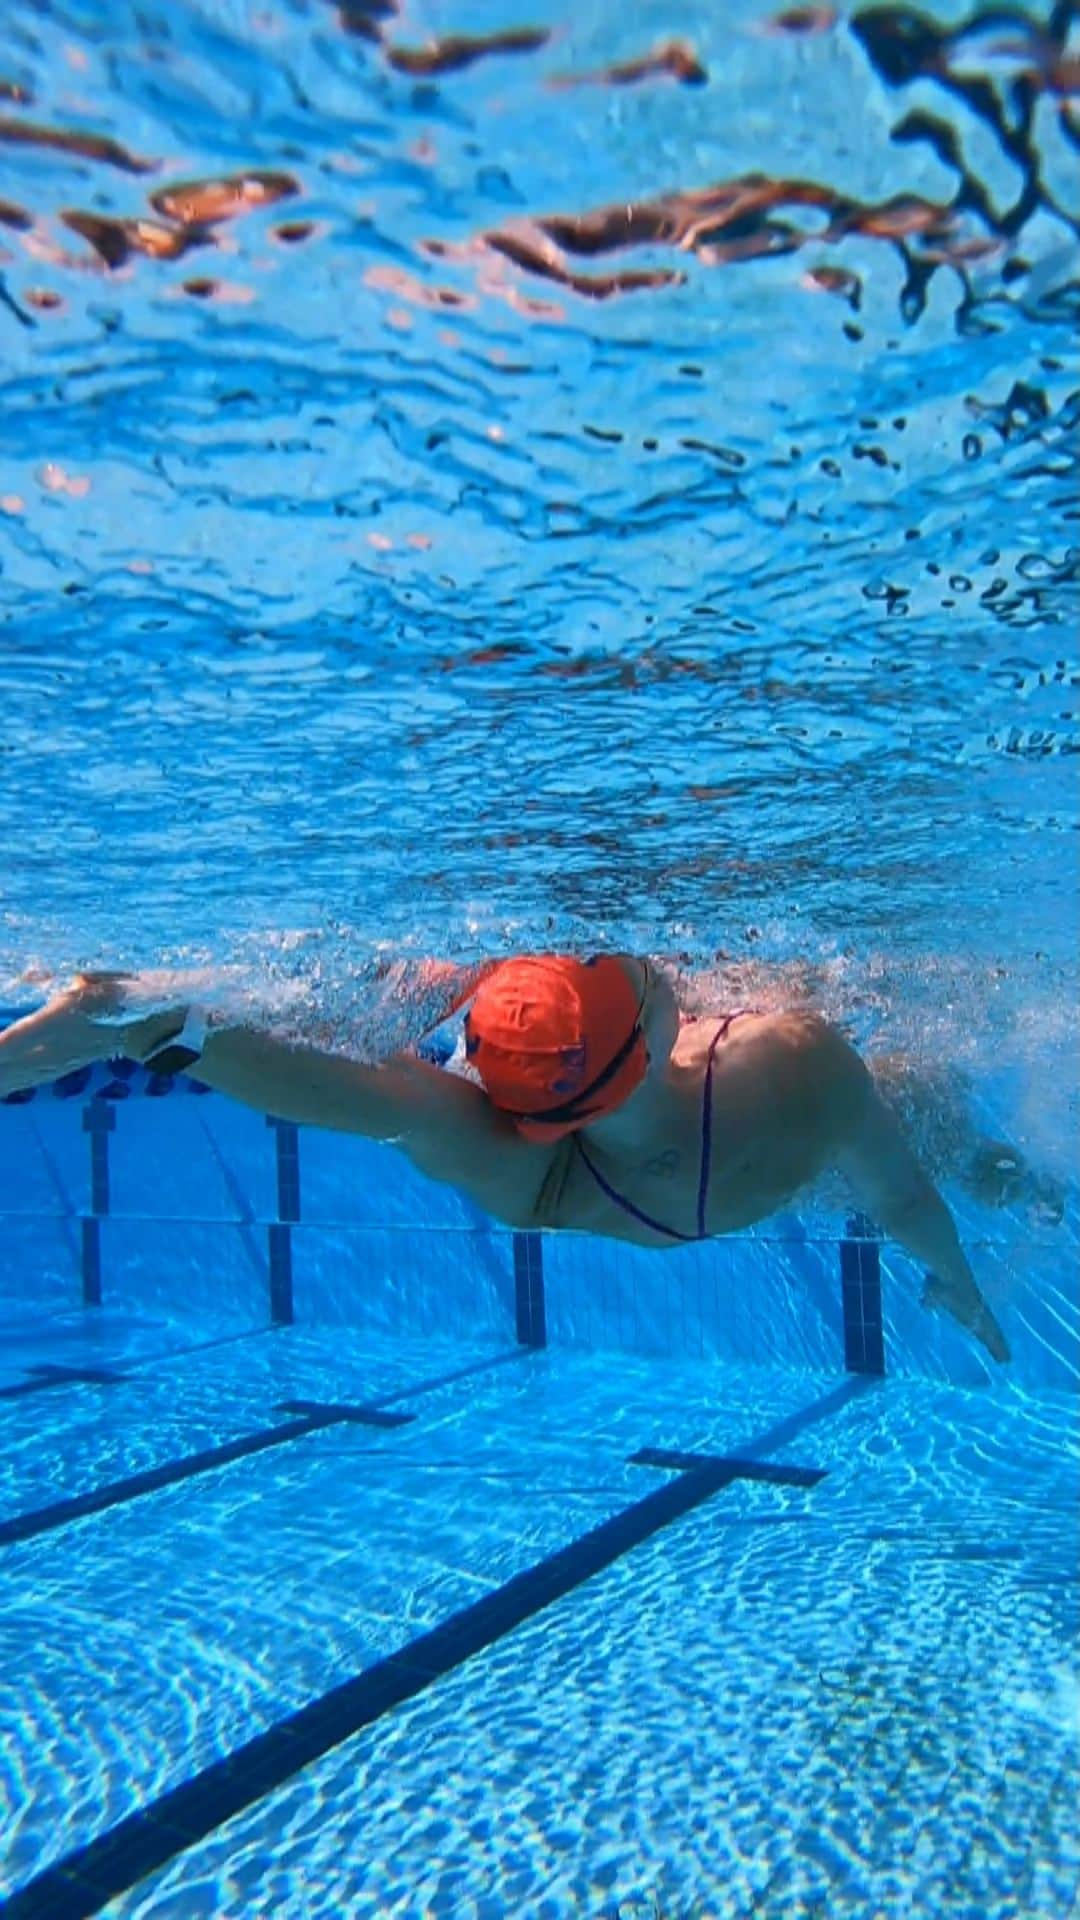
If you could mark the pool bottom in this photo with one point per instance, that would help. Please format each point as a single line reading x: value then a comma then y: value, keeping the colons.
x: 856, y: 1695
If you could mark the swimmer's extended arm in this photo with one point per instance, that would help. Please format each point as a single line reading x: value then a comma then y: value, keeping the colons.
x: 447, y: 1126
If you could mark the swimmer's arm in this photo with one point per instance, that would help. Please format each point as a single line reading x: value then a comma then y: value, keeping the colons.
x: 316, y: 1089
x: 446, y: 1125
x: 898, y: 1195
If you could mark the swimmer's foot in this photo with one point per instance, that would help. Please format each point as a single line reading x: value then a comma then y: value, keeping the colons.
x: 968, y: 1308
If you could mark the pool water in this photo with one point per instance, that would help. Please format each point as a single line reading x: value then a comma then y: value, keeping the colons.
x: 369, y: 588
x: 855, y: 1697
x: 492, y: 479
x: 381, y: 1560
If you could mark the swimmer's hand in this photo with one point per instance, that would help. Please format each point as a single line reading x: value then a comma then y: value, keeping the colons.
x: 962, y: 1299
x: 83, y: 1024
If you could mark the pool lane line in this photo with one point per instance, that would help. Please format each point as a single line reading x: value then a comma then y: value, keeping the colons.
x: 134, y: 1365
x: 487, y: 1365
x: 855, y: 1387
x: 314, y: 1417
x: 85, y: 1880
x: 375, y: 1402
x: 736, y: 1467
x: 530, y: 1313
x: 279, y: 1231
x: 860, y: 1297
x: 44, y: 1377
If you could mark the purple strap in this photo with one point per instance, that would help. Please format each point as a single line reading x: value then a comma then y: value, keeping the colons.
x: 658, y: 1226
x: 706, y: 1127
x: 638, y: 1213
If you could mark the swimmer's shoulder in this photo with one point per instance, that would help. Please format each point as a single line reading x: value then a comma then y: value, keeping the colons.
x: 781, y: 1056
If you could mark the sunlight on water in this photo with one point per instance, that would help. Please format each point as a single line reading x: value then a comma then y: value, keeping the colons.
x: 475, y: 483
x: 482, y: 476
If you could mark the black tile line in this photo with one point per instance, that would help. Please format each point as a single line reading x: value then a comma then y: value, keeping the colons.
x: 449, y: 1379
x: 90, y: 1260
x: 279, y: 1231
x: 766, y: 1470
x: 135, y: 1366
x: 314, y: 1417
x: 852, y: 1387
x: 529, y: 1306
x: 140, y: 1363
x: 860, y: 1288
x: 46, y: 1377
x: 85, y: 1880
x: 328, y: 1413
x: 138, y: 1366
x: 280, y: 1268
x: 376, y: 1401
x: 98, y: 1122
x: 855, y: 1387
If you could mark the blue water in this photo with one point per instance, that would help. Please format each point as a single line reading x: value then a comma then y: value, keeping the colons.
x: 462, y: 492
x: 863, y: 1697
x: 359, y: 593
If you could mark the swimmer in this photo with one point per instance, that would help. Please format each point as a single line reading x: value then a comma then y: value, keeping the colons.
x: 596, y: 1106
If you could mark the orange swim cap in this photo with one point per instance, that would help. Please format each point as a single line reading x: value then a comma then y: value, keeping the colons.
x: 557, y: 1042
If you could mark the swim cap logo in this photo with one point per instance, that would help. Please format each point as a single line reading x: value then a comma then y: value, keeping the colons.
x: 571, y: 1070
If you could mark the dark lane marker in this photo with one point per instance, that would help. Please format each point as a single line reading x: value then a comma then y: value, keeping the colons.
x: 860, y: 1288
x: 529, y: 1289
x: 85, y: 1880
x: 314, y: 1417
x: 53, y: 1376
x: 726, y: 1464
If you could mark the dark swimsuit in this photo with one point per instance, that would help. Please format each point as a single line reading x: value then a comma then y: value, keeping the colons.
x: 637, y: 1213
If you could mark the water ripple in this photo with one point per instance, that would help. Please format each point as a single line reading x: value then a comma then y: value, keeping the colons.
x: 364, y: 570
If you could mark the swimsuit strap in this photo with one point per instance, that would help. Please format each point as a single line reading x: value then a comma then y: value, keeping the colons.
x: 638, y: 1213
x: 628, y: 1206
x: 706, y: 1124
